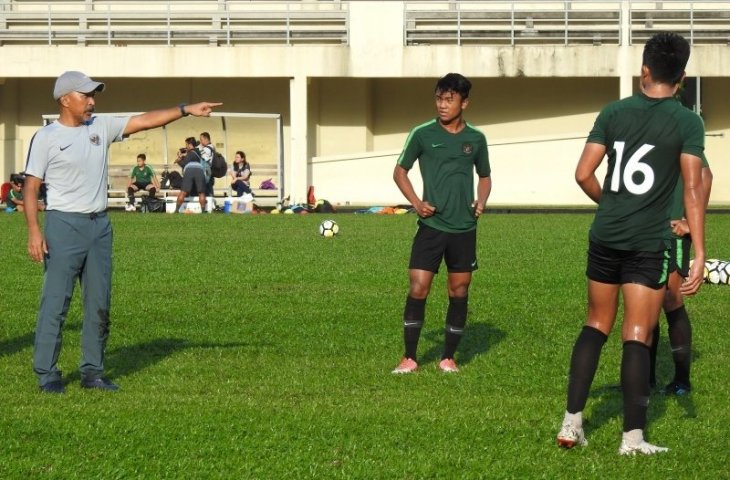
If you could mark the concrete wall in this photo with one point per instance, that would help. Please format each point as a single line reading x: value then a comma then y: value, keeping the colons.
x: 536, y: 129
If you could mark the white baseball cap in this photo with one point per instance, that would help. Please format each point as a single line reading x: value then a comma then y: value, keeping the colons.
x: 73, y: 81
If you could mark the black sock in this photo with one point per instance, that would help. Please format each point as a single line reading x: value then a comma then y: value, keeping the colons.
x: 652, y: 354
x: 455, y: 321
x: 635, y: 384
x: 153, y: 191
x: 130, y: 194
x: 680, y: 338
x: 413, y: 315
x: 583, y: 365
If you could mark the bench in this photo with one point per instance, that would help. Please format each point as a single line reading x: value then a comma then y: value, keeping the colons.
x: 118, y: 177
x: 259, y: 173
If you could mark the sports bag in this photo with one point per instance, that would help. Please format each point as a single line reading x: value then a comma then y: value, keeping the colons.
x: 218, y: 166
x: 175, y: 180
x: 152, y: 205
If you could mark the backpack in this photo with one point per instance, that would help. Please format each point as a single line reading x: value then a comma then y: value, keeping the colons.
x: 267, y: 185
x: 7, y: 186
x: 175, y: 180
x: 218, y: 166
x: 165, y: 180
x: 323, y: 206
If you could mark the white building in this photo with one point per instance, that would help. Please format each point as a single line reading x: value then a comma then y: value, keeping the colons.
x: 351, y: 78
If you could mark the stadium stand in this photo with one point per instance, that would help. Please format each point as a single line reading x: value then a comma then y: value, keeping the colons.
x: 699, y: 26
x: 511, y: 27
x: 346, y: 88
x: 123, y: 23
x: 562, y: 23
x: 230, y: 22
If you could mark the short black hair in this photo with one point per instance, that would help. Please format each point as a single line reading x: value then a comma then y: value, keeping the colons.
x: 191, y: 141
x: 142, y: 156
x: 206, y: 135
x: 666, y: 55
x: 454, y: 82
x: 17, y: 179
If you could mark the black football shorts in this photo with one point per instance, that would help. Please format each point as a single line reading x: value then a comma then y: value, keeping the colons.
x: 679, y: 255
x: 430, y: 246
x: 608, y: 265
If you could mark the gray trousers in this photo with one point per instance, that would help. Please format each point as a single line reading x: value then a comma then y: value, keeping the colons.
x: 79, y: 247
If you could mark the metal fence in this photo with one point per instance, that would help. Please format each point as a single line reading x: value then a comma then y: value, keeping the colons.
x: 576, y: 22
x: 426, y: 22
x: 180, y: 22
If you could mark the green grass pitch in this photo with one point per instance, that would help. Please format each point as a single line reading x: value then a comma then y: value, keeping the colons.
x: 250, y: 347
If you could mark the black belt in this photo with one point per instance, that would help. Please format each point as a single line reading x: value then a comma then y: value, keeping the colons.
x: 91, y: 216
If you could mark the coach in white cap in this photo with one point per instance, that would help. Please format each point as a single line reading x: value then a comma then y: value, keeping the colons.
x: 71, y: 155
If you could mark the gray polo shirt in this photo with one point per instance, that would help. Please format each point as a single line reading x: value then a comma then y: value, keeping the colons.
x: 74, y: 162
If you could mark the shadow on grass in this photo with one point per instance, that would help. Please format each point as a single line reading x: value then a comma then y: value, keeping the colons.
x: 478, y: 338
x: 609, y: 397
x: 129, y: 360
x: 11, y: 346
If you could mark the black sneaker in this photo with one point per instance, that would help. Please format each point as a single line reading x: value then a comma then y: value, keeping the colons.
x: 100, y: 383
x: 677, y: 388
x: 53, y: 387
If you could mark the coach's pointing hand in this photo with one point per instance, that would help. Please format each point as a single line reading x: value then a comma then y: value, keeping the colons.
x: 202, y: 109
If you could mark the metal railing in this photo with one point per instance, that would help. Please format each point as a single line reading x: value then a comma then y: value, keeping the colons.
x: 706, y: 22
x: 426, y: 22
x: 576, y: 22
x: 180, y: 22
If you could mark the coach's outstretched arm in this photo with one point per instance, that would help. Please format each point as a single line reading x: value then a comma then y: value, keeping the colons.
x: 158, y: 118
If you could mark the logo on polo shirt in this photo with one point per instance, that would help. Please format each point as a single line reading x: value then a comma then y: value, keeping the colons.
x: 94, y: 139
x: 467, y: 148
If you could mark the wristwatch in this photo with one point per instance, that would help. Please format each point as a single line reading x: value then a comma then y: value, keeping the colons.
x: 182, y: 110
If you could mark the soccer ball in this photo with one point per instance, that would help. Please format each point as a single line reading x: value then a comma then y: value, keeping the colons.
x: 717, y: 271
x: 328, y: 228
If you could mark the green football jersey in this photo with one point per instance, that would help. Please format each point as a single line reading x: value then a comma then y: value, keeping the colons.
x: 644, y: 138
x: 143, y: 174
x: 447, y: 162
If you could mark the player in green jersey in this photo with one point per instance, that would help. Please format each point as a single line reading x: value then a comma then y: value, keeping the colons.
x: 649, y: 140
x: 142, y: 177
x: 679, y: 327
x: 448, y: 151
